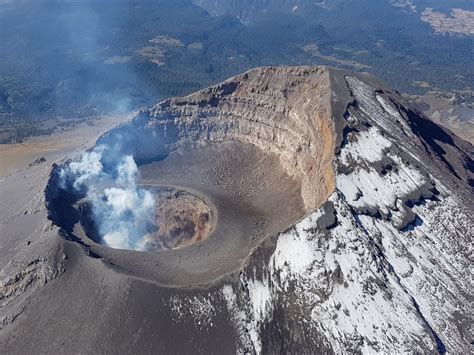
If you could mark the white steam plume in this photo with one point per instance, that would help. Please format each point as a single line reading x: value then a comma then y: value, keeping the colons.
x: 88, y: 168
x: 121, y: 210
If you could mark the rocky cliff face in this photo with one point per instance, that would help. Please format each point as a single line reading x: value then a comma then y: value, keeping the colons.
x: 381, y: 267
x: 378, y: 262
x: 282, y: 111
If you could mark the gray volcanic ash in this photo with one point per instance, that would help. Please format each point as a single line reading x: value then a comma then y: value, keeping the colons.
x: 301, y: 210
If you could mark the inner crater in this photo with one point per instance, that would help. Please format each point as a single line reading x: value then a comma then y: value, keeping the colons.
x: 181, y: 219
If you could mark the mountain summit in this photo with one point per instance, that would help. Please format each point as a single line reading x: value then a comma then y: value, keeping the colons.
x: 324, y: 215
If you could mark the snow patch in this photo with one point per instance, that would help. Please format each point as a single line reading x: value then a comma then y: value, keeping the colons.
x: 369, y: 147
x: 200, y: 308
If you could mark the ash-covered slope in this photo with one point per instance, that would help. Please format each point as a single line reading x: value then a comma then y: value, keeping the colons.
x: 378, y: 262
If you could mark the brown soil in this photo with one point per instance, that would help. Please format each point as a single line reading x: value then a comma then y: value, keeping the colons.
x: 14, y: 157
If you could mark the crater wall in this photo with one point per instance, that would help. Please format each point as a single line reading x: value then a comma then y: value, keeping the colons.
x: 285, y: 111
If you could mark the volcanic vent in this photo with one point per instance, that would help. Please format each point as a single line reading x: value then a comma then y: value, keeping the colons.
x: 178, y: 219
x: 181, y: 219
x: 204, y: 178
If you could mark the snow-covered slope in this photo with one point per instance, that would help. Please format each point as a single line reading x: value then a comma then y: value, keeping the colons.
x: 383, y: 266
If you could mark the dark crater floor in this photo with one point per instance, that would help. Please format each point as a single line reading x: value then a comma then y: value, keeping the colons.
x: 214, y: 203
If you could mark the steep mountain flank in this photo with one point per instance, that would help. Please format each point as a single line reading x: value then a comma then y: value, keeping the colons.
x: 342, y: 222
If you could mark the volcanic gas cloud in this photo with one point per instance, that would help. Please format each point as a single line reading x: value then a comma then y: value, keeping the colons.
x: 121, y: 210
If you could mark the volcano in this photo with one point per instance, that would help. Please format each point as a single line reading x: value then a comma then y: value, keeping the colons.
x: 294, y: 209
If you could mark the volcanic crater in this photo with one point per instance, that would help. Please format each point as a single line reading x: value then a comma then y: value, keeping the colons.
x: 227, y: 166
x: 180, y: 219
